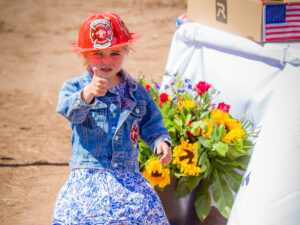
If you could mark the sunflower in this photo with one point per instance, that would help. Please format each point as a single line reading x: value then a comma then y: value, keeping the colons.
x: 156, y: 174
x: 233, y: 127
x: 236, y: 132
x: 185, y: 103
x: 185, y: 157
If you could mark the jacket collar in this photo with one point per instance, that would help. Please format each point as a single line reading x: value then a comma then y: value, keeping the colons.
x: 132, y: 84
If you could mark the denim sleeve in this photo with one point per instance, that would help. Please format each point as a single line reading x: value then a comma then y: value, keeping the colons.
x: 153, y: 130
x: 70, y: 103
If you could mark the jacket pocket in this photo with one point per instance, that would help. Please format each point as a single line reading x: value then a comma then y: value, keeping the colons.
x: 97, y: 115
x: 139, y: 110
x: 93, y: 130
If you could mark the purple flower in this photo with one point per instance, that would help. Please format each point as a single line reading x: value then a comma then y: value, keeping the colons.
x: 156, y: 86
x: 187, y: 80
x: 180, y: 91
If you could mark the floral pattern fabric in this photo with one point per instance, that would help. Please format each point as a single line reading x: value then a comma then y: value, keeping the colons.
x: 122, y: 90
x: 101, y: 196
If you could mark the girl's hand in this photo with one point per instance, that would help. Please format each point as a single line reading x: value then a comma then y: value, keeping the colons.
x: 97, y: 87
x: 164, y: 149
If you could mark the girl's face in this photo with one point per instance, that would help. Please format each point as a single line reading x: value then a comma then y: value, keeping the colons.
x: 108, y: 61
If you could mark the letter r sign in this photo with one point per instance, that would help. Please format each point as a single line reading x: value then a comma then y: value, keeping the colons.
x: 221, y: 11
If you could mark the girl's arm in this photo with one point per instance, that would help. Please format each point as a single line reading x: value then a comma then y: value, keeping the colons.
x: 153, y: 131
x: 70, y: 103
x: 75, y: 103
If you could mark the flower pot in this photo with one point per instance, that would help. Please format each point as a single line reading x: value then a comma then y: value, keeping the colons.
x: 182, y: 211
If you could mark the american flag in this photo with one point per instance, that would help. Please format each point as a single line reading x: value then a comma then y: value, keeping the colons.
x: 282, y: 22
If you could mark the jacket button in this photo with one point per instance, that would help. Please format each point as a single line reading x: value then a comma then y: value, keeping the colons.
x: 137, y: 110
x: 114, y: 114
x: 116, y: 165
x: 116, y: 138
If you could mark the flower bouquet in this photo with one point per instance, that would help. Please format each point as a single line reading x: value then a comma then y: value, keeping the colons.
x: 209, y: 146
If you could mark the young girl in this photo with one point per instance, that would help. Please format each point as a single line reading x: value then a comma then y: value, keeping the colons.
x: 108, y: 111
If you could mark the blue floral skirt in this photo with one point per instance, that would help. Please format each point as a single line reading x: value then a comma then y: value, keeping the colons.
x: 97, y: 196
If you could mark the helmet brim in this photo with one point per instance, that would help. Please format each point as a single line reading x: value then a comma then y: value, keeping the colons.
x: 76, y: 48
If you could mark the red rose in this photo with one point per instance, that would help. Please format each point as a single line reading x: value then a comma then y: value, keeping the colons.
x: 189, y: 123
x: 189, y: 133
x: 224, y: 107
x: 162, y: 98
x: 202, y: 87
x: 148, y: 87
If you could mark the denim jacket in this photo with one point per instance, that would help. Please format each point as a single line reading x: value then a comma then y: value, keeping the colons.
x: 105, y: 137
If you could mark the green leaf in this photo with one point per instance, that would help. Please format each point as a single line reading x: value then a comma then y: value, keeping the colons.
x: 214, y: 133
x: 233, y: 153
x: 221, y: 148
x: 233, y: 178
x: 248, y: 144
x: 155, y: 95
x: 200, y: 150
x: 178, y: 120
x: 222, y: 194
x: 202, y: 202
x: 208, y: 171
x: 188, y: 118
x: 192, y: 181
x: 203, y: 161
x: 221, y: 165
x: 196, y: 126
x: 202, y: 158
x: 172, y: 129
x: 218, y: 132
x: 145, y: 151
x: 185, y: 113
x: 243, y: 161
x: 182, y: 189
x: 205, y: 142
x: 221, y: 131
x: 238, y: 143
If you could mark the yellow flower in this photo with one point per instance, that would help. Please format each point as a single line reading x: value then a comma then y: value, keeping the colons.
x: 219, y: 116
x: 233, y: 127
x: 233, y: 134
x: 185, y: 103
x: 207, y: 133
x: 156, y: 174
x: 185, y: 157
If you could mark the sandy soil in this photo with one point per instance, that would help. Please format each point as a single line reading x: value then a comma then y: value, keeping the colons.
x: 35, y: 36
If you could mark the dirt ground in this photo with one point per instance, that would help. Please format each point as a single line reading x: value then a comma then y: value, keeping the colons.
x: 35, y: 36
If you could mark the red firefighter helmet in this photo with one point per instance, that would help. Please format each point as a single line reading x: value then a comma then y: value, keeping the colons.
x: 103, y: 31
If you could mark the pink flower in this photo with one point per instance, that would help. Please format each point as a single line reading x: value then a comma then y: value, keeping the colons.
x: 202, y: 87
x: 224, y: 107
x: 162, y: 98
x: 148, y: 87
x: 213, y: 107
x: 189, y: 123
